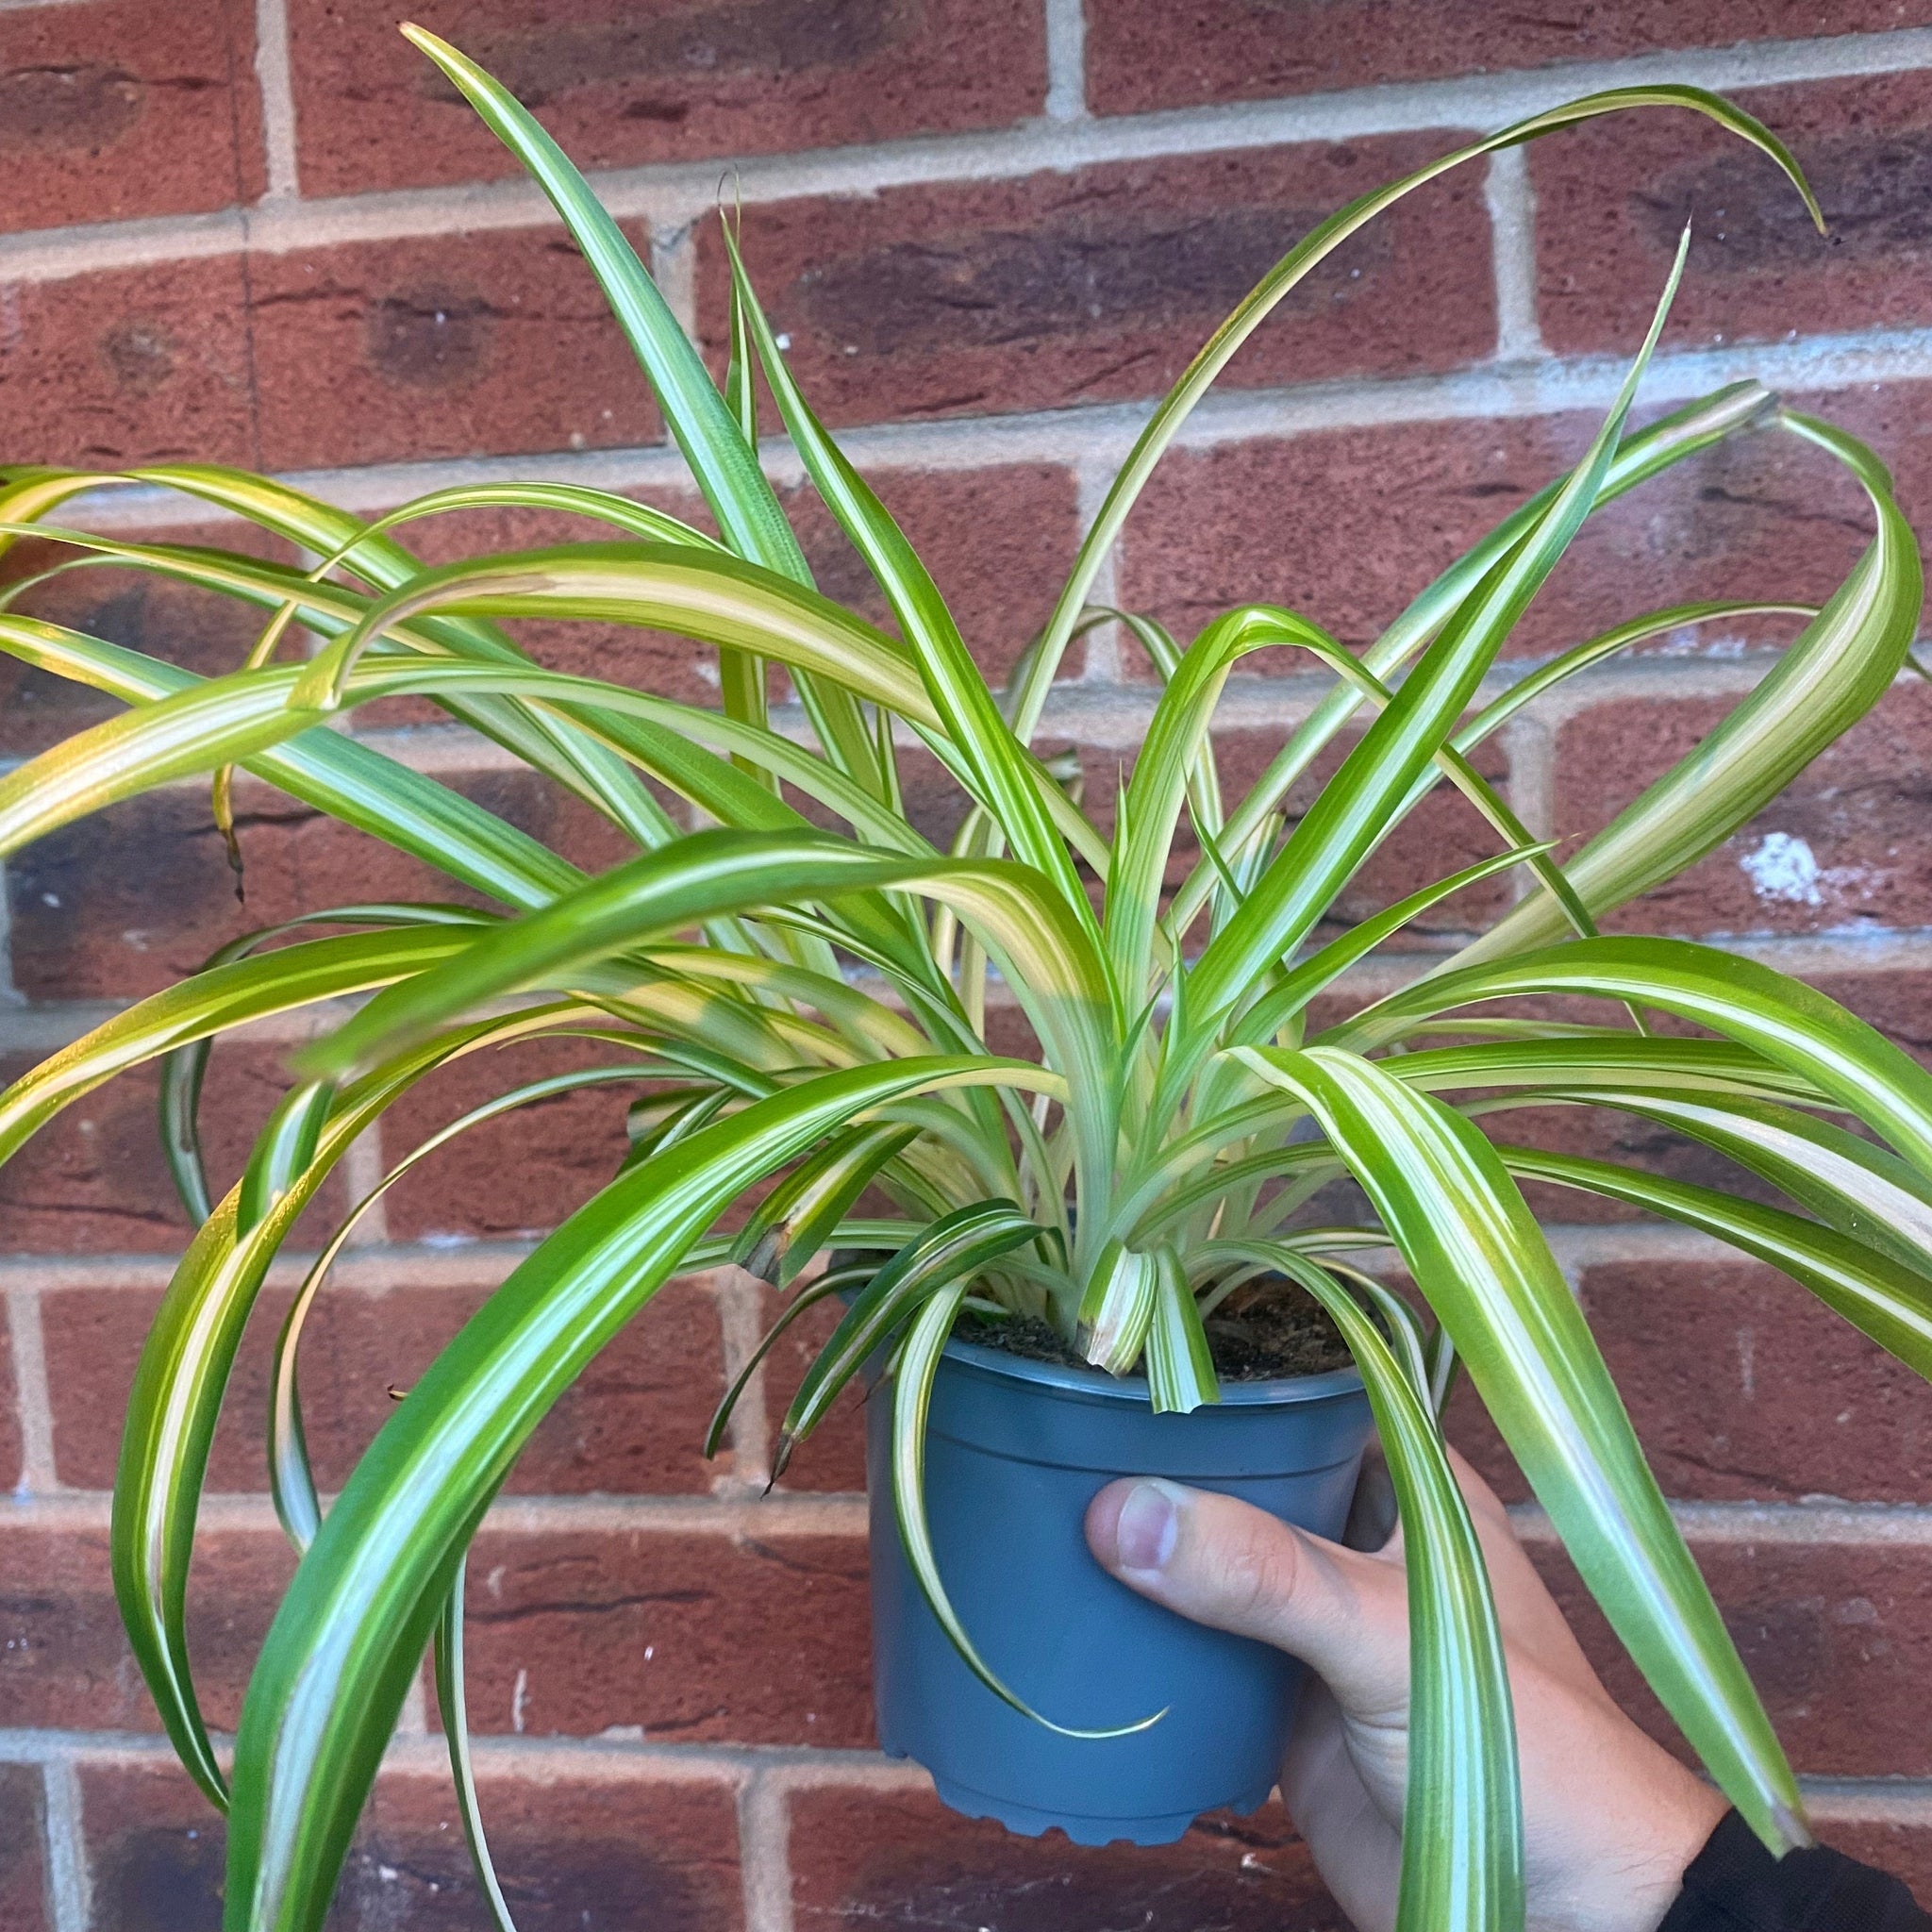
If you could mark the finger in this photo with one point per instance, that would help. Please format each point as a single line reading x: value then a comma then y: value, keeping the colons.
x: 1225, y: 1563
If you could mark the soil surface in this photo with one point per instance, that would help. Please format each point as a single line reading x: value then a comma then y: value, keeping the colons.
x: 1263, y: 1331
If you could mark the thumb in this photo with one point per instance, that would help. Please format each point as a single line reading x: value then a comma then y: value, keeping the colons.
x: 1225, y: 1563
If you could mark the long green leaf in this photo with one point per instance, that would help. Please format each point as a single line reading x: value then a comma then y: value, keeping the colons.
x: 1254, y: 308
x: 184, y: 1067
x: 715, y: 598
x: 718, y: 599
x: 1180, y: 1363
x: 1149, y: 810
x: 788, y: 1227
x: 1477, y: 1255
x: 723, y: 463
x: 1604, y: 1065
x: 1056, y: 972
x: 1890, y: 1302
x: 174, y: 1403
x: 1782, y: 1019
x: 1355, y: 810
x: 1642, y: 455
x: 1118, y: 1308
x: 452, y: 1706
x: 350, y: 781
x: 835, y: 1281
x: 1826, y: 680
x: 344, y: 1646
x: 291, y: 1484
x: 1000, y: 770
x: 954, y: 1248
x: 1863, y: 1190
x: 1462, y: 1804
x: 1321, y: 970
x: 212, y: 1002
x: 912, y: 1380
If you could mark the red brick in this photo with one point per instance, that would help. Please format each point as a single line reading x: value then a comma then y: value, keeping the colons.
x: 897, y: 1860
x: 1351, y: 523
x: 1144, y: 54
x: 1841, y: 847
x: 93, y: 1181
x: 140, y: 610
x: 1837, y: 1639
x: 1611, y: 200
x: 64, y: 1660
x: 1742, y: 1387
x: 752, y: 1640
x: 129, y: 365
x: 116, y: 112
x: 1103, y: 283
x: 618, y: 86
x: 573, y: 1856
x: 23, y: 1890
x: 633, y: 1424
x: 1467, y: 1423
x: 459, y: 344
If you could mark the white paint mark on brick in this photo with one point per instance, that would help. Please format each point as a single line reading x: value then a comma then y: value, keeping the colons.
x: 517, y: 1696
x: 1783, y: 867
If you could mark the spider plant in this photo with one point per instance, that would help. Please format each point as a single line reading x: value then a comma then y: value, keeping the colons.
x: 807, y: 1009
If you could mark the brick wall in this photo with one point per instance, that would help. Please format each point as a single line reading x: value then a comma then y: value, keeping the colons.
x: 992, y: 229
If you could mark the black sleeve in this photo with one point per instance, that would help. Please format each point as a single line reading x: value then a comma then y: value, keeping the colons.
x: 1735, y: 1885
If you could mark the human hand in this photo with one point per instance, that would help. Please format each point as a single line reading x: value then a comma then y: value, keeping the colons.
x: 1610, y: 1819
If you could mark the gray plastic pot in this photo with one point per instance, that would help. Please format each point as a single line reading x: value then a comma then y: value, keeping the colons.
x: 1015, y: 1451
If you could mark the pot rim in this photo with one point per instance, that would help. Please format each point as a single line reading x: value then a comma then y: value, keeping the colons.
x: 1095, y: 1385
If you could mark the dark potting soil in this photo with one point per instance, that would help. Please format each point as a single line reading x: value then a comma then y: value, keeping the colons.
x: 1262, y: 1332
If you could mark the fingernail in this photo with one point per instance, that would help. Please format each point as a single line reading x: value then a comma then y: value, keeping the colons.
x: 1144, y: 1537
